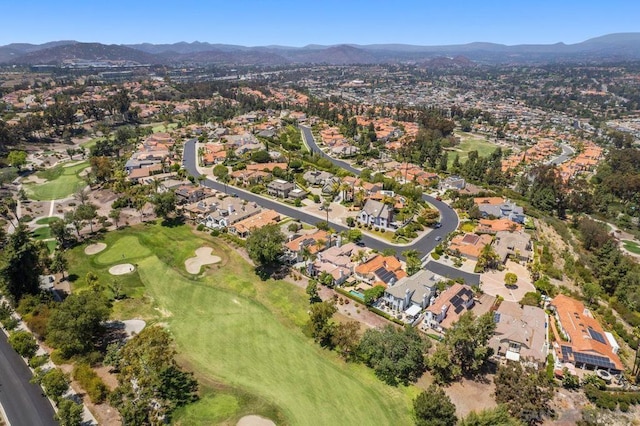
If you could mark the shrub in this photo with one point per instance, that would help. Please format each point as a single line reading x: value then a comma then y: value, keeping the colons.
x: 10, y: 323
x: 435, y: 255
x: 215, y: 233
x: 200, y: 227
x: 23, y: 343
x: 38, y: 361
x: 55, y: 384
x: 89, y: 380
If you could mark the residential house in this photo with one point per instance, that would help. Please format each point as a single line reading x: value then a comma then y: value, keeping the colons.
x: 452, y: 182
x: 415, y: 290
x: 469, y: 245
x: 136, y: 175
x: 229, y: 211
x: 244, y: 227
x: 499, y: 208
x: 514, y: 244
x: 336, y: 261
x: 380, y: 270
x: 521, y: 333
x: 192, y: 194
x: 311, y: 243
x: 376, y: 213
x: 448, y: 307
x: 492, y: 226
x: 580, y: 339
x: 280, y: 188
x: 316, y: 177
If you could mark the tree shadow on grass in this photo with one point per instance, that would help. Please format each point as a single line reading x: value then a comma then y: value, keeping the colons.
x: 173, y: 222
x: 277, y: 272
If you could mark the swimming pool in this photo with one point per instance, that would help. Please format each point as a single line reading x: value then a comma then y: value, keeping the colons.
x: 357, y: 294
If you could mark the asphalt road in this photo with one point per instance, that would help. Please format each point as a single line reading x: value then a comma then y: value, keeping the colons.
x: 567, y: 152
x: 448, y: 217
x: 24, y: 403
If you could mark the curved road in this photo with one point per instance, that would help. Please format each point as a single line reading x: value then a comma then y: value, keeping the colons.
x: 424, y: 245
x: 23, y: 402
x: 567, y: 152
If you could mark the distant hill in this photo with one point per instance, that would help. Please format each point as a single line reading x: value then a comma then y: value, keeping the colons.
x: 622, y: 46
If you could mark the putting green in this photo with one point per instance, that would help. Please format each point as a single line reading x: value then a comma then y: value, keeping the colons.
x: 124, y: 249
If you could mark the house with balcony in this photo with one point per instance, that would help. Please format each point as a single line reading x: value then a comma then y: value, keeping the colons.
x: 411, y: 294
x: 376, y: 213
x: 521, y: 333
x: 447, y: 308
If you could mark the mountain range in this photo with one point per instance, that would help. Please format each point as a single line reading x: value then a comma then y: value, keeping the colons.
x: 612, y: 47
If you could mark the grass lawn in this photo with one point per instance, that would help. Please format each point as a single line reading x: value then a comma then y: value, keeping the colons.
x: 46, y: 220
x: 42, y: 233
x: 631, y: 246
x: 470, y: 142
x: 90, y: 143
x: 241, y: 336
x: 62, y: 182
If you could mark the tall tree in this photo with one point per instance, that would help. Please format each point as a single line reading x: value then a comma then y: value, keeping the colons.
x: 265, y: 245
x: 434, y: 408
x: 150, y: 383
x: 74, y: 326
x: 20, y: 265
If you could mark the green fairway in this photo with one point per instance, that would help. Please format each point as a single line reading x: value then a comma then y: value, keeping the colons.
x: 470, y: 142
x: 631, y: 246
x: 233, y: 329
x: 61, y: 182
x: 42, y: 233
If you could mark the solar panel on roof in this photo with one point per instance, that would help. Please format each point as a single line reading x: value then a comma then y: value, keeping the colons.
x: 459, y: 309
x: 455, y: 300
x: 597, y: 336
x: 598, y: 361
x: 496, y: 317
x: 567, y: 352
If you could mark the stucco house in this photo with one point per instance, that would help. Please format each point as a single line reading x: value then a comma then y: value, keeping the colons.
x: 376, y: 213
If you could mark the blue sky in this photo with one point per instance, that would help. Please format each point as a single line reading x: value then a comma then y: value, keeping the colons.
x: 298, y: 23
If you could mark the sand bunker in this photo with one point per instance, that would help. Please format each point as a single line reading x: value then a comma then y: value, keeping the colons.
x: 94, y: 248
x: 255, y: 421
x: 133, y: 326
x: 124, y: 268
x: 203, y: 257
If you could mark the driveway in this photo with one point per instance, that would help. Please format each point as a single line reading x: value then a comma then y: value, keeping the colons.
x: 493, y: 283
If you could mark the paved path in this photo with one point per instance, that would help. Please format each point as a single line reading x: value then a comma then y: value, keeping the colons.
x: 449, y: 218
x: 23, y: 402
x: 567, y: 152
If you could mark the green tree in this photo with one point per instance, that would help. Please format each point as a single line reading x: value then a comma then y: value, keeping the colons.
x: 60, y: 232
x: 77, y: 322
x: 150, y: 383
x: 265, y: 245
x: 20, y: 265
x: 434, y: 408
x: 59, y: 263
x: 319, y: 325
x: 414, y: 264
x: 23, y: 343
x: 55, y: 384
x: 372, y: 294
x: 220, y: 171
x: 397, y: 356
x: 312, y: 292
x: 17, y: 159
x: 525, y: 392
x: 464, y: 350
x: 164, y: 204
x: 87, y: 213
x: 69, y: 413
x: 345, y: 339
x: 510, y: 279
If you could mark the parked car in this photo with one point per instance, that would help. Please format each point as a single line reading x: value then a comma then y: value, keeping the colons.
x: 438, y: 225
x: 438, y: 238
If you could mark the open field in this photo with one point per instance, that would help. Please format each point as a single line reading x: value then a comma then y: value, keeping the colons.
x: 631, y: 246
x: 61, y: 182
x: 241, y: 336
x: 470, y: 142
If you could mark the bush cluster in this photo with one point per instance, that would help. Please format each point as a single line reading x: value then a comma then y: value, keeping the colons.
x: 89, y: 380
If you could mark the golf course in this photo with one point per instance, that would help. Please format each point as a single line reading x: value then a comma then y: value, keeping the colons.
x: 241, y: 336
x: 61, y: 181
x: 470, y: 142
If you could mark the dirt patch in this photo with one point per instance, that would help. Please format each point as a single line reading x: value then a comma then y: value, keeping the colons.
x: 255, y: 421
x: 203, y: 257
x: 94, y: 248
x: 123, y: 268
x: 468, y: 396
